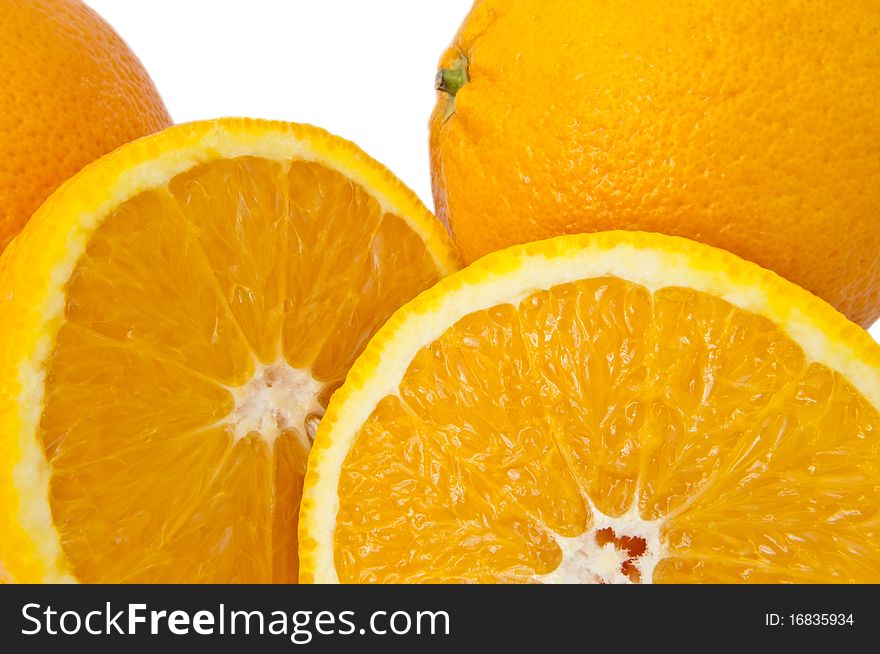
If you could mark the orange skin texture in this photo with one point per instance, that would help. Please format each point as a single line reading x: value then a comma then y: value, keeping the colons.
x: 751, y: 126
x: 70, y: 91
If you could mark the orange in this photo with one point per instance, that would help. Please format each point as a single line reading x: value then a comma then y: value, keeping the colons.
x: 612, y: 407
x: 751, y: 126
x: 70, y: 91
x: 173, y: 322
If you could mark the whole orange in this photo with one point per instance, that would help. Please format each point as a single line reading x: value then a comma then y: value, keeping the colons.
x: 70, y: 91
x: 752, y: 126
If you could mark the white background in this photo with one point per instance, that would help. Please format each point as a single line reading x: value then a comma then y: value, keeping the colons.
x: 363, y: 69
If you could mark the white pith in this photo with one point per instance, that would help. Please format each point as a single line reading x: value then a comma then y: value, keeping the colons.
x: 277, y: 398
x: 584, y: 561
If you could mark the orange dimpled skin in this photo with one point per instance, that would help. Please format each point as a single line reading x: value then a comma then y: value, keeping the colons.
x: 70, y: 91
x: 751, y: 126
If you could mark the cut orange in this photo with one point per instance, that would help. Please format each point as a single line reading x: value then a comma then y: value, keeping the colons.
x: 173, y: 322
x: 616, y: 407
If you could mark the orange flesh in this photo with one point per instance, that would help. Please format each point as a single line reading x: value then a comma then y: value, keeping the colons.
x: 181, y: 293
x: 760, y: 465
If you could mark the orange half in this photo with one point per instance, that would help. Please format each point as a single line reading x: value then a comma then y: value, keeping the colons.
x: 173, y: 322
x: 617, y: 407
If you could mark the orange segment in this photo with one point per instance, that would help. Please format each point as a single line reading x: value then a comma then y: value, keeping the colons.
x: 220, y: 279
x: 114, y: 514
x: 719, y: 371
x: 226, y: 536
x: 596, y: 408
x: 144, y: 280
x: 291, y: 454
x: 416, y: 510
x: 489, y: 420
x: 331, y: 219
x: 608, y: 408
x: 95, y: 405
x: 396, y: 265
x: 245, y: 243
x: 820, y: 457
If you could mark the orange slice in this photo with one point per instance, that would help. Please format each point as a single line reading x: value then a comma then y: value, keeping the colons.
x: 173, y: 322
x: 614, y: 407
